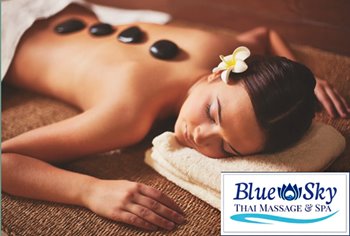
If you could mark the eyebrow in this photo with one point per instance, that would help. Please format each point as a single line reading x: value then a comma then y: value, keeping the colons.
x: 220, y: 119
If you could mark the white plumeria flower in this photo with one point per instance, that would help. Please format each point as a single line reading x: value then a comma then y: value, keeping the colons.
x: 234, y: 63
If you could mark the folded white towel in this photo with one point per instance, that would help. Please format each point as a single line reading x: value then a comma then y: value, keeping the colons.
x: 200, y: 175
x: 18, y: 15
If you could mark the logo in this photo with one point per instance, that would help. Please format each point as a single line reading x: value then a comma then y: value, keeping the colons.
x: 270, y: 203
x: 289, y: 193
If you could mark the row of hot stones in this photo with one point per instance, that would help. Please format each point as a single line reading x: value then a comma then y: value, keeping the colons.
x: 161, y: 49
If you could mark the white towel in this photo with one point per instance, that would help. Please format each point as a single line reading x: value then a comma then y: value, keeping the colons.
x: 18, y: 15
x: 200, y: 175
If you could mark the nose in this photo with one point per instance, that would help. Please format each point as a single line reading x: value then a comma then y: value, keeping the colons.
x: 204, y: 134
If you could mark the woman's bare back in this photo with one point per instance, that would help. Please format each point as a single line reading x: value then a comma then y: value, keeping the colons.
x: 120, y: 87
x: 85, y: 70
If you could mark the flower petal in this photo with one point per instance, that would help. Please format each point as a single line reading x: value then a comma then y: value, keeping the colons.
x: 228, y: 58
x: 221, y: 66
x: 216, y: 69
x: 225, y: 76
x: 239, y: 67
x: 241, y: 53
x: 222, y: 58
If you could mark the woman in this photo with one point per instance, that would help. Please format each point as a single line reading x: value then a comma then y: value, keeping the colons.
x: 121, y: 90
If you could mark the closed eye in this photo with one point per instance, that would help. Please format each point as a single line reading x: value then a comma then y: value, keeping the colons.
x: 234, y: 151
x: 207, y: 112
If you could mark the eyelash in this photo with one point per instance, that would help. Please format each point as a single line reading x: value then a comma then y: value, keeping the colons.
x: 207, y: 112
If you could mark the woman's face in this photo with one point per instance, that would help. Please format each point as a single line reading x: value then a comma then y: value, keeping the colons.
x: 218, y: 120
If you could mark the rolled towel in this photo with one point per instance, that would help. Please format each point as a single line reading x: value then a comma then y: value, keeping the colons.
x: 200, y: 175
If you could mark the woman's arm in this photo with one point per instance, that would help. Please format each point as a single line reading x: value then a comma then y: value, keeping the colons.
x: 26, y: 171
x: 29, y: 177
x: 269, y: 41
x: 119, y: 200
x: 99, y: 129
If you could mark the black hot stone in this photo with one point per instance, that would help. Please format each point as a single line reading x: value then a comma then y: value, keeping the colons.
x: 164, y: 49
x: 131, y: 35
x: 69, y: 26
x: 101, y: 29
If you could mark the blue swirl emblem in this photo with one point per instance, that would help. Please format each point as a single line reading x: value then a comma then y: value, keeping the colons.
x: 248, y: 218
x: 289, y: 192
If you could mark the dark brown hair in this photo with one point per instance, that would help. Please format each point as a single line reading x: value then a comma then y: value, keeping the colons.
x: 282, y: 94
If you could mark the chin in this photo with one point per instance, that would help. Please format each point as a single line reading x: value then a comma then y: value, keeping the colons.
x: 212, y: 156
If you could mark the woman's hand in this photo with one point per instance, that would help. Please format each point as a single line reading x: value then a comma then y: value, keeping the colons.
x: 134, y: 203
x: 334, y: 103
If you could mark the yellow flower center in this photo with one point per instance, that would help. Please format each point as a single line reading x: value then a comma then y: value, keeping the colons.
x: 228, y: 63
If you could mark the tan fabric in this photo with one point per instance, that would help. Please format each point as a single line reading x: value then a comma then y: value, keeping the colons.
x: 24, y: 111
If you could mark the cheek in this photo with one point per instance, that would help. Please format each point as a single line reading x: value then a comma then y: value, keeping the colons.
x: 193, y: 111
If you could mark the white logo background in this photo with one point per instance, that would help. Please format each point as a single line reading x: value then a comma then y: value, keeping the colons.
x: 338, y: 224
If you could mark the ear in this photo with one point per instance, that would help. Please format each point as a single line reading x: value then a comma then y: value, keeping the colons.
x: 214, y: 76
